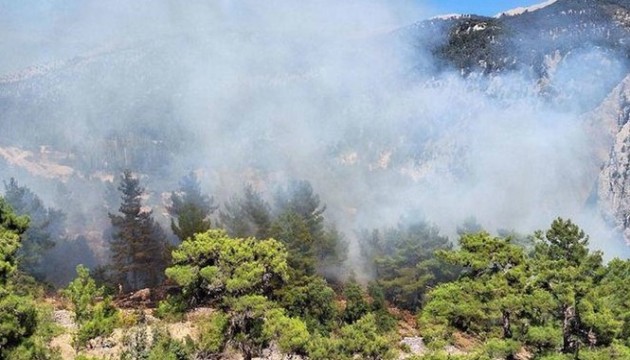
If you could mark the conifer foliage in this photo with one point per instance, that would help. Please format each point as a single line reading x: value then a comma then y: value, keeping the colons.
x: 46, y: 228
x: 560, y: 298
x: 296, y: 219
x: 211, y: 266
x: 18, y: 317
x: 138, y: 244
x: 190, y: 208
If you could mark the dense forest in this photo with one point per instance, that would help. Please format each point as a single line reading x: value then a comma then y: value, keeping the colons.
x: 269, y: 274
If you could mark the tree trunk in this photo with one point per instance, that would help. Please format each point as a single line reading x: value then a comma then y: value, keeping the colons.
x: 568, y: 342
x: 507, y: 331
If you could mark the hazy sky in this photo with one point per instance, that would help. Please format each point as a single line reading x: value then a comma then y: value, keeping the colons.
x: 480, y: 7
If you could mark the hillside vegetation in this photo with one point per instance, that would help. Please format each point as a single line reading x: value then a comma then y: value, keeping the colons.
x: 258, y: 284
x: 358, y: 184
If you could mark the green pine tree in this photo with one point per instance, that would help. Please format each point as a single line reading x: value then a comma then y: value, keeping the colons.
x: 190, y: 209
x: 138, y: 245
x: 46, y: 228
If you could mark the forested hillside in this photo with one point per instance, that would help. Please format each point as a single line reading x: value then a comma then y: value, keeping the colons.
x: 273, y: 279
x: 314, y: 180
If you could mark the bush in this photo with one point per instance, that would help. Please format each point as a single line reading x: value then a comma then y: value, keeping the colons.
x: 130, y: 319
x: 94, y: 318
x: 166, y: 348
x: 86, y: 357
x: 385, y: 322
x: 324, y: 348
x: 34, y: 348
x: 616, y: 351
x: 377, y: 295
x: 103, y: 321
x: 360, y: 340
x: 363, y: 339
x: 312, y: 300
x: 291, y: 334
x: 18, y: 319
x: 171, y: 309
x: 544, y: 338
x: 212, y: 331
x: 41, y: 330
x: 356, y: 305
x: 501, y: 349
x: 135, y: 344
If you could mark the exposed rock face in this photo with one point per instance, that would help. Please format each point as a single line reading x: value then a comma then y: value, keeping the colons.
x: 614, y: 179
x: 523, y: 40
x: 65, y: 319
x: 416, y: 346
x: 273, y: 353
x: 537, y: 42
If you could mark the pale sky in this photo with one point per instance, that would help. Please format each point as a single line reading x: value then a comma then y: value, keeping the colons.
x: 479, y: 7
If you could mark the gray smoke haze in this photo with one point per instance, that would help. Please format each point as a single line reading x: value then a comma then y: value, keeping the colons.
x: 328, y: 91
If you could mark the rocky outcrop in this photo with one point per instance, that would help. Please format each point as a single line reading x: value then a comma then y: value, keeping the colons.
x: 415, y: 346
x: 613, y: 135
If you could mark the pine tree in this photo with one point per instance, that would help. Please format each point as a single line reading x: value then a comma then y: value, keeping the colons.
x: 18, y: 315
x: 11, y: 228
x: 299, y: 223
x: 249, y: 215
x: 190, y: 209
x: 487, y: 300
x: 568, y: 271
x: 404, y: 261
x: 138, y: 244
x: 47, y: 228
x: 213, y: 266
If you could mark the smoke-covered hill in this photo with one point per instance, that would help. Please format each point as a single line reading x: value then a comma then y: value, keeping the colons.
x: 514, y: 119
x: 576, y: 52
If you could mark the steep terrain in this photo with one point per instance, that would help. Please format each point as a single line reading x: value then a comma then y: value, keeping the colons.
x: 536, y: 41
x: 593, y: 35
x: 528, y: 39
x: 234, y: 100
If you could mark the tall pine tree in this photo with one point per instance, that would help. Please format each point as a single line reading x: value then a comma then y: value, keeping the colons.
x: 138, y: 245
x: 299, y: 224
x: 190, y: 209
x: 249, y: 215
x: 568, y: 271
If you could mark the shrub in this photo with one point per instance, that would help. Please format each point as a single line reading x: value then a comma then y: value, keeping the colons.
x: 171, y: 309
x: 135, y: 344
x: 164, y: 347
x: 312, y: 300
x: 363, y: 339
x: 356, y: 305
x: 102, y: 323
x: 212, y: 331
x: 94, y: 318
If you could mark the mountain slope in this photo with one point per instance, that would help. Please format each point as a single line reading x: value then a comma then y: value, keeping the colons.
x: 443, y: 115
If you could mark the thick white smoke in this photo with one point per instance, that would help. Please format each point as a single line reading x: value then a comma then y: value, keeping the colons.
x: 328, y: 91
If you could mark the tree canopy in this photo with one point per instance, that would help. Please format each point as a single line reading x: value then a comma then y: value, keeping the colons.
x: 18, y: 315
x: 190, y: 209
x: 212, y: 265
x: 560, y: 296
x: 138, y: 245
x: 46, y: 228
